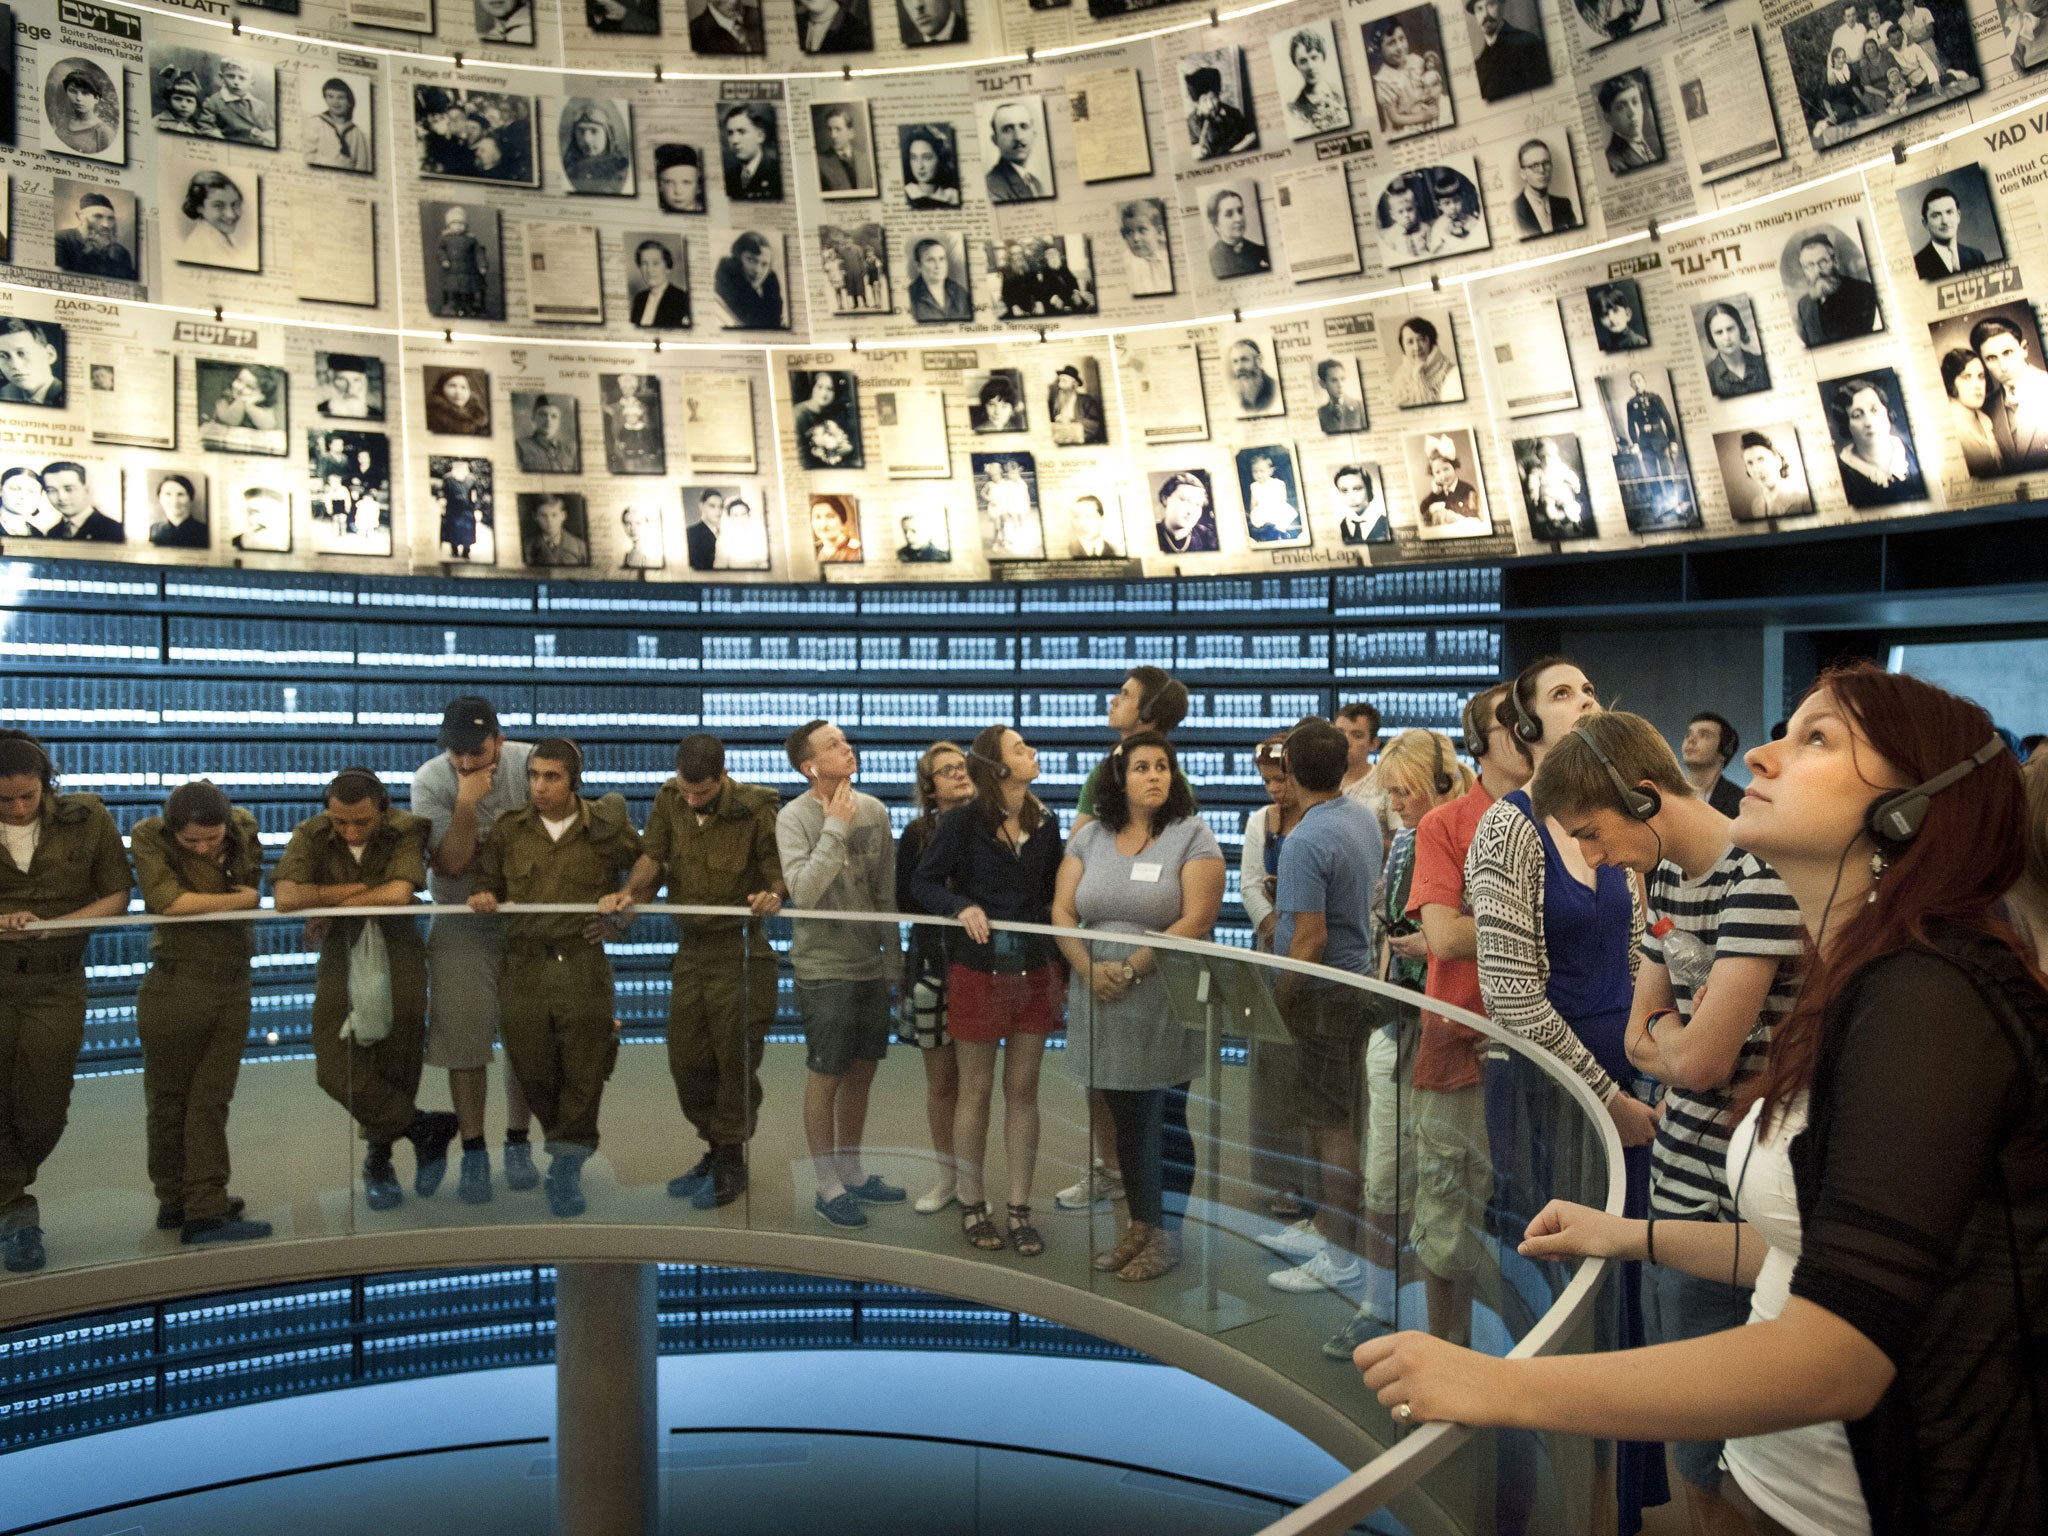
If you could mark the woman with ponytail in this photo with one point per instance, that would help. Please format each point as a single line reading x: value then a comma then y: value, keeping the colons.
x: 1891, y: 1168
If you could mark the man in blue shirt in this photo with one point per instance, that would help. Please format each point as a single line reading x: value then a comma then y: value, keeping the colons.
x: 1329, y: 867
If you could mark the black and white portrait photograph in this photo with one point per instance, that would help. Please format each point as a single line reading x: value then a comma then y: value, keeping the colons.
x: 1992, y: 371
x: 1216, y: 97
x: 32, y: 362
x: 995, y: 402
x: 826, y: 410
x: 1731, y: 347
x: 748, y: 280
x: 1546, y: 197
x: 554, y: 530
x: 1608, y: 21
x: 1649, y: 451
x: 641, y: 545
x: 1423, y: 368
x: 214, y: 217
x: 1628, y: 111
x: 1006, y: 499
x: 259, y: 516
x: 1274, y: 514
x: 725, y: 29
x: 855, y: 262
x: 1341, y: 407
x: 1763, y: 475
x: 458, y: 401
x: 749, y: 136
x: 1873, y: 440
x: 1095, y: 531
x: 1073, y: 404
x: 237, y: 96
x: 938, y: 281
x: 547, y: 432
x: 835, y: 529
x: 1185, y: 511
x: 98, y: 231
x: 1038, y: 278
x: 84, y: 108
x: 930, y: 23
x: 1860, y: 69
x: 475, y: 136
x: 1237, y: 246
x: 1952, y: 222
x: 349, y: 492
x: 725, y: 528
x: 61, y: 498
x: 1450, y: 493
x: 1404, y: 55
x: 2024, y: 38
x: 630, y: 18
x: 336, y: 121
x: 348, y: 386
x: 241, y: 407
x: 843, y: 139
x: 679, y: 178
x: 657, y: 282
x: 1552, y: 473
x: 1829, y: 284
x: 631, y: 405
x: 1509, y: 54
x: 509, y: 22
x: 1619, y: 323
x: 930, y: 155
x: 1147, y: 252
x: 594, y: 138
x: 1016, y: 155
x: 174, y: 508
x: 1310, y: 72
x: 465, y: 508
x: 834, y: 26
x: 1429, y: 212
x: 1358, y: 501
x: 462, y: 250
x: 1251, y: 375
x: 924, y: 535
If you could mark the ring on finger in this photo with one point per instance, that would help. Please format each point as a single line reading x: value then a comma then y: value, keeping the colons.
x: 1404, y: 1412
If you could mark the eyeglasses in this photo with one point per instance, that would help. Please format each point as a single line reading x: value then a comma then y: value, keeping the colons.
x: 950, y: 770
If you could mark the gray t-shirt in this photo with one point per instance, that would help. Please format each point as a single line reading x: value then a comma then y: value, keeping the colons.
x: 837, y: 866
x: 433, y: 796
x: 1139, y: 1041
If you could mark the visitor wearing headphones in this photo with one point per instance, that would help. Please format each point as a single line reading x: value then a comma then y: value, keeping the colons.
x: 60, y: 857
x: 1151, y: 699
x: 1277, y: 1136
x: 942, y: 785
x: 1557, y: 940
x: 1891, y: 1171
x: 1709, y: 746
x: 997, y: 857
x: 1613, y: 784
x: 360, y: 852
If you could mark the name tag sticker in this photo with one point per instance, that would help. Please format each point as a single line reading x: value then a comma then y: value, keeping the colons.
x: 1147, y: 873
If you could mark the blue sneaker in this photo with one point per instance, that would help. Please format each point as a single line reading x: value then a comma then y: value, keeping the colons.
x: 842, y: 1210
x: 874, y: 1192
x: 520, y: 1172
x: 474, y: 1186
x: 380, y: 1182
x: 686, y: 1186
x: 223, y: 1229
x: 23, y: 1248
x: 565, y: 1185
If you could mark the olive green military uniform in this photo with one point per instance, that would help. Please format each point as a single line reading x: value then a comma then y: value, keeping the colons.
x: 722, y: 990
x: 78, y: 860
x: 555, y: 992
x: 377, y: 1084
x: 192, y: 1012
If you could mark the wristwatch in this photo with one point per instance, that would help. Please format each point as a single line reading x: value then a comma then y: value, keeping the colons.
x: 1129, y: 973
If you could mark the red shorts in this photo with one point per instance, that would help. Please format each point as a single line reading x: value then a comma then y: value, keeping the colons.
x: 985, y: 1006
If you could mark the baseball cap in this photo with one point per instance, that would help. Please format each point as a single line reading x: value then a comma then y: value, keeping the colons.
x: 467, y: 724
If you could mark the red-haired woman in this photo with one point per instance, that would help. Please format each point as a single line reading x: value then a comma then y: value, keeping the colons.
x: 1892, y: 1171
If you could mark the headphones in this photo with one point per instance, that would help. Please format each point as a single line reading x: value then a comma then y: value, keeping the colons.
x: 1527, y: 727
x: 1446, y: 781
x: 1893, y: 820
x: 1639, y: 801
x: 1002, y: 769
x: 560, y: 744
x: 46, y: 770
x: 359, y: 778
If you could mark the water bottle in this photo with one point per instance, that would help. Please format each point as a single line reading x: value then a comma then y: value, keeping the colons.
x: 1688, y: 960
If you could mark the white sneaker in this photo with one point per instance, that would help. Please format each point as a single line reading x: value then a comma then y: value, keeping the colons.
x: 1330, y: 1270
x: 1299, y: 1241
x: 934, y: 1200
x: 1100, y: 1190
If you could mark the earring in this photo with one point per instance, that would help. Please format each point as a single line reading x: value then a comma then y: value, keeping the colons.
x: 1877, y: 869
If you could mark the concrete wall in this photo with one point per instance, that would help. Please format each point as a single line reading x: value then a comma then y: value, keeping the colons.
x: 1670, y: 675
x: 2005, y: 676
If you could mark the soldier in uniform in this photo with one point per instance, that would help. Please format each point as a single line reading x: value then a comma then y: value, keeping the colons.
x: 555, y: 991
x: 711, y: 841
x: 60, y: 857
x: 359, y: 852
x: 192, y: 1010
x: 478, y: 778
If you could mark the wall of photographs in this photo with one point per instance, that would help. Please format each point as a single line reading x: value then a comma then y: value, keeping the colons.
x: 999, y: 288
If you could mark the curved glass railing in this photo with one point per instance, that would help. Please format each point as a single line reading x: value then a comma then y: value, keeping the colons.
x: 1315, y: 1158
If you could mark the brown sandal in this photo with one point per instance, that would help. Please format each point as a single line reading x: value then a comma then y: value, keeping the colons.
x: 978, y: 1229
x: 1024, y: 1236
x: 1160, y: 1256
x: 1128, y: 1247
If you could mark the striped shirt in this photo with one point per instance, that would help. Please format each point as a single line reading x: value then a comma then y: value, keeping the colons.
x: 1739, y: 907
